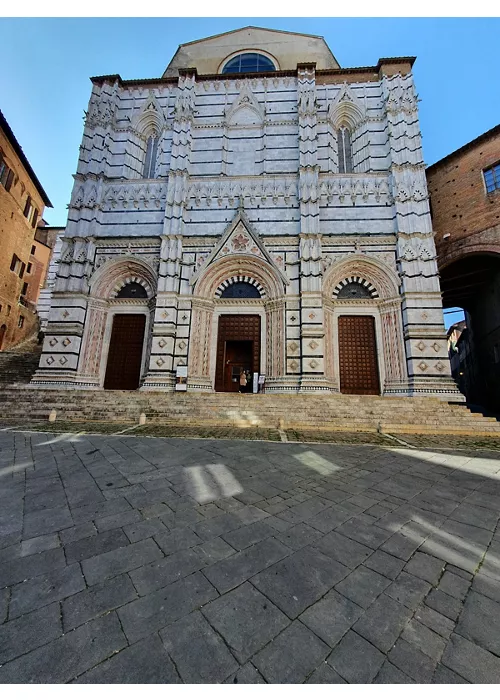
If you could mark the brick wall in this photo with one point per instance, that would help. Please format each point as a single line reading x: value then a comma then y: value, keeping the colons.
x: 17, y: 237
x: 459, y: 201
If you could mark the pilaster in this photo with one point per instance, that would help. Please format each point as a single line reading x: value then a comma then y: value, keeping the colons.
x: 423, y: 325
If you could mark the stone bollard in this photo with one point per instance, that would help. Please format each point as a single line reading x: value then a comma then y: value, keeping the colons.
x: 52, y: 415
x: 142, y: 419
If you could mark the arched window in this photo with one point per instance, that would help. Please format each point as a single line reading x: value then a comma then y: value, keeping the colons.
x: 240, y: 290
x: 249, y: 63
x: 150, y: 160
x: 354, y: 290
x: 132, y: 290
x: 345, y: 150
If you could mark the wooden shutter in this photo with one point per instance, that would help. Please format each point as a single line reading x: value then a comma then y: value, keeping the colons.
x: 8, y: 183
x: 35, y: 218
x: 27, y: 206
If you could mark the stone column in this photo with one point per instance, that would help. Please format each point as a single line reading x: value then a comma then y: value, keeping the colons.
x: 178, y: 178
x: 161, y: 371
x: 201, y: 330
x: 427, y: 361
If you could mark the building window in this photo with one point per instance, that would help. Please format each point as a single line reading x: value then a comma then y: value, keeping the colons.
x: 34, y: 220
x: 6, y: 175
x: 33, y: 249
x: 345, y: 150
x: 240, y: 290
x: 9, y: 309
x: 20, y: 323
x: 24, y: 289
x: 492, y: 178
x: 28, y: 269
x: 249, y: 63
x: 132, y: 290
x: 29, y: 209
x: 150, y: 160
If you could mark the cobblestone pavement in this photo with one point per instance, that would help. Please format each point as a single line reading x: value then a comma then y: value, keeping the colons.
x: 150, y: 560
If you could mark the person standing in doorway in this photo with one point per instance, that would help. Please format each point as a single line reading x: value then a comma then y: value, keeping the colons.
x: 243, y: 381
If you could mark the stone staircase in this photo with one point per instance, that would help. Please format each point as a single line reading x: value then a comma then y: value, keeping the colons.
x: 301, y: 412
x: 22, y: 402
x: 17, y: 366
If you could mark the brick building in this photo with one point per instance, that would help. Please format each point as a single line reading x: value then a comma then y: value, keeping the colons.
x: 22, y: 266
x: 257, y: 209
x: 464, y: 190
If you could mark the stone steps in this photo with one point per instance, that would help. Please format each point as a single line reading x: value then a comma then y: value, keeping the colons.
x: 18, y: 367
x: 304, y: 412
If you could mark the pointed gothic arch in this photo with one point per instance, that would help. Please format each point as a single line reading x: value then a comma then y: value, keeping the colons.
x: 346, y: 110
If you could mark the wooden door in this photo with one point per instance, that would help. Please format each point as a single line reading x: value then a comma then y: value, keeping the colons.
x: 239, y: 358
x: 358, y: 355
x: 123, y: 370
x: 238, y: 347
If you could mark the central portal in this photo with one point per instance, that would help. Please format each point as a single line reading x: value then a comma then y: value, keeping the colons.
x: 238, y: 350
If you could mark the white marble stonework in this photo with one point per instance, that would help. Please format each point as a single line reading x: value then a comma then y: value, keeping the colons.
x: 245, y: 182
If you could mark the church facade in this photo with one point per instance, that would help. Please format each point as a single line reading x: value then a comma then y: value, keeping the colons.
x: 258, y: 209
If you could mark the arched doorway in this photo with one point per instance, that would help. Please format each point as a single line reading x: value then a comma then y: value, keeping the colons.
x: 472, y: 282
x: 120, y: 313
x: 238, y: 323
x: 3, y: 331
x: 364, y: 352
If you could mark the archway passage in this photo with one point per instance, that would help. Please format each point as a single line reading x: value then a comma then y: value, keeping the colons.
x: 358, y: 355
x: 123, y: 370
x: 238, y: 349
x: 473, y: 283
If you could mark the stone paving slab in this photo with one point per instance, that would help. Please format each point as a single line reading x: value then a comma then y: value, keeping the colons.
x: 133, y: 559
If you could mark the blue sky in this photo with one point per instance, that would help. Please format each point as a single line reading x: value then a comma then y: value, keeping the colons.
x: 45, y: 87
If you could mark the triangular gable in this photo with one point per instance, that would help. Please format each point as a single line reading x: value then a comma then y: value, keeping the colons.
x: 239, y: 239
x: 245, y: 102
x: 346, y: 109
x: 151, y: 115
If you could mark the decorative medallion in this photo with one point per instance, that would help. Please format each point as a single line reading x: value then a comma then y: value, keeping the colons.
x: 162, y: 343
x: 66, y: 342
x: 294, y: 365
x: 423, y: 366
x: 65, y: 314
x: 313, y: 345
x: 421, y: 346
x: 165, y: 314
x: 182, y: 345
x: 240, y: 242
x: 52, y: 342
x: 50, y: 360
x: 440, y: 367
x: 313, y: 364
x: 63, y: 361
x: 160, y: 362
x: 312, y: 315
x: 293, y: 346
x: 436, y: 347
